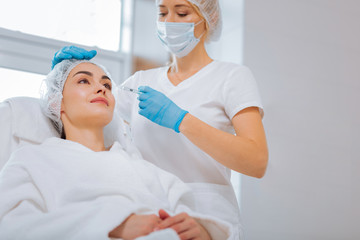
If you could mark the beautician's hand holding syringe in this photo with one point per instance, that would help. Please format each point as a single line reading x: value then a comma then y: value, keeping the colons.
x: 158, y: 108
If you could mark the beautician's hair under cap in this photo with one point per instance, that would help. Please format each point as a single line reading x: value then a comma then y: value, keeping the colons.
x: 51, y: 94
x: 210, y: 9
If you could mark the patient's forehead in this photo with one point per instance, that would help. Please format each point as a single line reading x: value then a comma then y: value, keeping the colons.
x: 88, y: 67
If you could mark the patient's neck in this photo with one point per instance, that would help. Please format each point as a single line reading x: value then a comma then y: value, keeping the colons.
x: 90, y: 138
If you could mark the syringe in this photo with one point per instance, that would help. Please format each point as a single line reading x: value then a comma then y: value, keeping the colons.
x: 129, y: 89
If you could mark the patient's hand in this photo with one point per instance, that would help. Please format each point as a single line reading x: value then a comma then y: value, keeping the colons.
x: 136, y: 226
x: 184, y: 225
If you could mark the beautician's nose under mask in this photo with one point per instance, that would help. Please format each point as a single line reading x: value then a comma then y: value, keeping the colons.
x: 178, y: 37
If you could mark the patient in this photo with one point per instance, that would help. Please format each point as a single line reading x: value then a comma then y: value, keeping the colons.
x: 75, y: 187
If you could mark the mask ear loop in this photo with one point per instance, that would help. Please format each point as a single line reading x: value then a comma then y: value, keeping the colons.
x: 198, y: 22
x: 203, y: 31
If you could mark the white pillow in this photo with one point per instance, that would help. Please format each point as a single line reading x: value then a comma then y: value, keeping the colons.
x: 22, y: 122
x: 29, y: 122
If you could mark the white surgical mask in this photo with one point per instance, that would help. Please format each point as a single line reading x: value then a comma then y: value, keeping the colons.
x: 178, y: 37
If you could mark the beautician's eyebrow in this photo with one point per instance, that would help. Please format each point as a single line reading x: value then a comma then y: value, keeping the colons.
x: 181, y: 5
x: 176, y: 6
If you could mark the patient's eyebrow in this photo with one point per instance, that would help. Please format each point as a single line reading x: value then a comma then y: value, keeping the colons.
x: 83, y: 72
x: 90, y: 74
x: 105, y: 77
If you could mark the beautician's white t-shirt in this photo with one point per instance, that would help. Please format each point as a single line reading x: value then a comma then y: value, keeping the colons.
x: 214, y: 95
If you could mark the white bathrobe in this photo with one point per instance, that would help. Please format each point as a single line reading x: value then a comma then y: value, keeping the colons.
x: 63, y: 190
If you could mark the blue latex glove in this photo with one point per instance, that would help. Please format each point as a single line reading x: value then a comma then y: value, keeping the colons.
x: 159, y: 108
x: 70, y: 52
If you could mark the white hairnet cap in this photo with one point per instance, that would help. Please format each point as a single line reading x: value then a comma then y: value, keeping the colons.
x: 51, y: 95
x: 210, y: 9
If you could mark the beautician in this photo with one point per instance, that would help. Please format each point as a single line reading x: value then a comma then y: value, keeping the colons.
x: 206, y: 115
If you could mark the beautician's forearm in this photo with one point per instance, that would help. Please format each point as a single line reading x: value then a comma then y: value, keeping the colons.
x: 235, y: 152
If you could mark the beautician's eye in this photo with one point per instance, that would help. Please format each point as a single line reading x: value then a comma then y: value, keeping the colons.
x: 182, y: 14
x: 162, y: 14
x: 84, y: 81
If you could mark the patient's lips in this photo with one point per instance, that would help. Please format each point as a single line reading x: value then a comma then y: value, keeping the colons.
x: 100, y: 100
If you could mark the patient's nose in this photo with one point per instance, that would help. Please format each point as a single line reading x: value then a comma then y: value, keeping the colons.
x: 101, y: 88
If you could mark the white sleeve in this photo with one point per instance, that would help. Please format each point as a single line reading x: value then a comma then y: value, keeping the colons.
x: 241, y: 92
x: 24, y: 213
x: 6, y: 136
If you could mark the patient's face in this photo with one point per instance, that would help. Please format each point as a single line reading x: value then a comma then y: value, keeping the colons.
x: 87, y: 97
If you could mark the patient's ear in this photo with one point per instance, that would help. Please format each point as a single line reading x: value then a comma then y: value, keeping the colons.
x: 62, y: 108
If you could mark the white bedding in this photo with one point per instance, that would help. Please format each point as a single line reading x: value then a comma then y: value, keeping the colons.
x: 63, y: 190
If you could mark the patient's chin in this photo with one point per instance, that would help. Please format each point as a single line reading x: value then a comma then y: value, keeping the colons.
x: 100, y: 119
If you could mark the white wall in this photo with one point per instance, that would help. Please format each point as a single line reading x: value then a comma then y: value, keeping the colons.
x: 146, y: 43
x: 230, y: 46
x: 305, y: 56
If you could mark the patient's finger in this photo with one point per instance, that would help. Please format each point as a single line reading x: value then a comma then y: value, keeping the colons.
x: 173, y: 220
x: 193, y: 233
x: 181, y: 227
x: 163, y: 214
